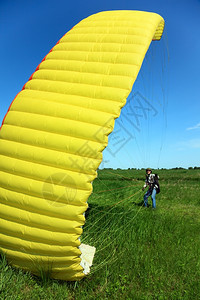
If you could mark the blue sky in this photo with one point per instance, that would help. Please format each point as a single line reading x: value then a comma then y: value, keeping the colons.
x: 169, y: 78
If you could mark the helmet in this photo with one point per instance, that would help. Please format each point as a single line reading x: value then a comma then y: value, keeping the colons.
x: 148, y: 169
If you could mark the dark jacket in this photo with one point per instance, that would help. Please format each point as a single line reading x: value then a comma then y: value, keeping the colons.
x: 152, y: 182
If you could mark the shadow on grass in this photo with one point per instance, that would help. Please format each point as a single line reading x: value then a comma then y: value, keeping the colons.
x: 114, y: 209
x: 141, y: 203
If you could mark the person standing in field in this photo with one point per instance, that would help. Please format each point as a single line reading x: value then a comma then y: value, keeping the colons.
x: 154, y: 188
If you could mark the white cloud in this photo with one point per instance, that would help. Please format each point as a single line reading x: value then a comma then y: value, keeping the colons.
x: 197, y: 126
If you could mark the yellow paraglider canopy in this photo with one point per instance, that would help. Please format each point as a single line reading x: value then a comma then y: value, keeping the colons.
x: 52, y: 138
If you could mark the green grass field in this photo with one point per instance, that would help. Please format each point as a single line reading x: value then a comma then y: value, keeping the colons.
x: 141, y: 253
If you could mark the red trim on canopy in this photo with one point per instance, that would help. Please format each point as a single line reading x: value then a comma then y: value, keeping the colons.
x: 29, y: 80
x: 8, y: 110
x: 24, y: 86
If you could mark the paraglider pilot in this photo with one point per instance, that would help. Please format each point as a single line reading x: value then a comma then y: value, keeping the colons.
x: 154, y: 188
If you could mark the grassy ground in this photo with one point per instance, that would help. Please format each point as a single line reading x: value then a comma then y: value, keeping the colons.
x: 141, y: 253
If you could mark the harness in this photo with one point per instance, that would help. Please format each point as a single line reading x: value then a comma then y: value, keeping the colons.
x: 152, y: 181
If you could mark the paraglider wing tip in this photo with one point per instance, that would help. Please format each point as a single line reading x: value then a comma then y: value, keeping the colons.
x: 159, y: 30
x: 87, y: 256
